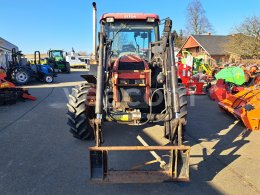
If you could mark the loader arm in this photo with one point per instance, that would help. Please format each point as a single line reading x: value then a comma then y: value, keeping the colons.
x: 162, y: 54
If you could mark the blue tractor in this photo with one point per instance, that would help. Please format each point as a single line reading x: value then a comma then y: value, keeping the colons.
x: 22, y: 72
x: 44, y: 72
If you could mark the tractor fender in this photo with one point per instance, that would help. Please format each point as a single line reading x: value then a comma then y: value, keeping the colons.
x: 89, y: 78
x: 45, y: 69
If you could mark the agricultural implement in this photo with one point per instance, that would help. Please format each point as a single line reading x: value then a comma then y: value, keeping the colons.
x: 233, y: 80
x: 245, y: 105
x: 136, y: 84
x: 9, y: 93
x: 194, y: 85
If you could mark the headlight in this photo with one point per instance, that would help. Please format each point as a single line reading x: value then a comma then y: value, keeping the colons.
x: 123, y: 81
x: 149, y: 19
x: 110, y: 20
x: 131, y: 81
x: 140, y: 81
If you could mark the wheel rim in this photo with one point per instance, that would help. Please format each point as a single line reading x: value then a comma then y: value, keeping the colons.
x: 48, y: 79
x: 21, y: 77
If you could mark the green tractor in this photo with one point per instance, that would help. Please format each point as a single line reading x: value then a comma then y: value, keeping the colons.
x: 57, y: 61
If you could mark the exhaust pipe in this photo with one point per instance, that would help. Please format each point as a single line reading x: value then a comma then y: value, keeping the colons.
x: 94, y: 31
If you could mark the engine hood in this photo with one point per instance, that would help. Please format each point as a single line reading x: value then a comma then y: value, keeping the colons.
x: 130, y: 62
x: 130, y: 58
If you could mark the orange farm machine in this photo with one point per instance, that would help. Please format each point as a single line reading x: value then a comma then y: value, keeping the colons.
x: 9, y: 93
x: 245, y: 105
x: 224, y: 89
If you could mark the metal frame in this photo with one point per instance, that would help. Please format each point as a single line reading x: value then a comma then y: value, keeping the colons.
x: 177, y: 168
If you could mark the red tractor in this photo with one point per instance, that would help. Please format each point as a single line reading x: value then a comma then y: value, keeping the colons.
x: 136, y: 84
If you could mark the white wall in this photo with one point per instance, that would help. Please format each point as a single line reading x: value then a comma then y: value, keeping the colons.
x: 5, y: 49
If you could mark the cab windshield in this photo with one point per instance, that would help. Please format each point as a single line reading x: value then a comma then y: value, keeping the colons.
x: 131, y: 37
x: 55, y: 54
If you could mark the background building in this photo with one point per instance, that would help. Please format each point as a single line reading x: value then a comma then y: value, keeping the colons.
x: 212, y: 46
x: 5, y: 51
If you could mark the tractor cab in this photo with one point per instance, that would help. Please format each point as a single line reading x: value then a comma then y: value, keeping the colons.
x: 130, y: 33
x: 57, y: 55
x: 130, y: 36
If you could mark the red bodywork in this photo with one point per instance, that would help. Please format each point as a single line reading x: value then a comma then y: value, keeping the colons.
x: 219, y: 91
x: 131, y: 16
x: 131, y: 74
x: 184, y: 72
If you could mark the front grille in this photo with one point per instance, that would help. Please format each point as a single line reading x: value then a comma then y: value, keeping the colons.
x: 131, y: 66
x: 133, y: 96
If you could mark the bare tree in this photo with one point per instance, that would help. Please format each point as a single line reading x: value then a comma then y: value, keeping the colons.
x: 179, y: 39
x: 246, y: 40
x: 197, y: 22
x: 250, y: 27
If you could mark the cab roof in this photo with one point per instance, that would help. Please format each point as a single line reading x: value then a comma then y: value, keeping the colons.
x: 129, y: 16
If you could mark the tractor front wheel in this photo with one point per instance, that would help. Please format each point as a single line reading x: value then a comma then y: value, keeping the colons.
x: 183, y: 102
x: 80, y: 115
x: 48, y: 79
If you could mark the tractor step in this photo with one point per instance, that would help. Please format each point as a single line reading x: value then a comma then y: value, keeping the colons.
x: 176, y: 169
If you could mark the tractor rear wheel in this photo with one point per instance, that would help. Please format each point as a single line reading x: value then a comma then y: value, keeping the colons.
x: 80, y: 115
x: 21, y: 76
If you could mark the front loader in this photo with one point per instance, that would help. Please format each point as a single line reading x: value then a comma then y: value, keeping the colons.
x: 136, y: 84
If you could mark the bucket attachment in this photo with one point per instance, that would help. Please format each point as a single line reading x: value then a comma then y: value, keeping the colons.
x: 245, y: 105
x: 176, y: 169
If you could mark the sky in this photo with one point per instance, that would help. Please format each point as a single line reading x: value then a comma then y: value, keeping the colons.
x: 62, y: 24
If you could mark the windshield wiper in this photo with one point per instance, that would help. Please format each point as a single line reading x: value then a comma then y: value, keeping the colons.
x: 122, y: 28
